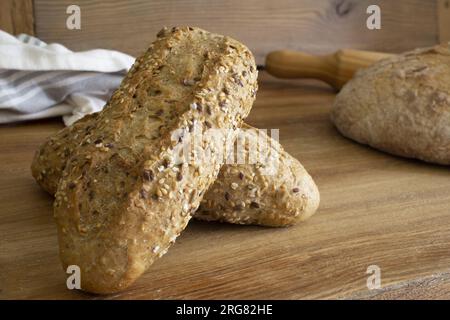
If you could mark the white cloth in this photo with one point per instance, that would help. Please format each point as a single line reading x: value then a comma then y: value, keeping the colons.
x: 39, y: 80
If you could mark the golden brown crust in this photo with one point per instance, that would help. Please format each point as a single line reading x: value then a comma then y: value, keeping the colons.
x: 275, y: 192
x: 50, y: 159
x: 123, y: 199
x: 260, y: 198
x: 400, y: 105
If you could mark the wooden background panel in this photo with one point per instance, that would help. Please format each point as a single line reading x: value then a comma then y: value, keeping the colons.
x: 16, y: 16
x: 264, y: 25
x: 444, y: 20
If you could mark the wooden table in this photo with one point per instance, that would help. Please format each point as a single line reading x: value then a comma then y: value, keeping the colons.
x: 376, y: 209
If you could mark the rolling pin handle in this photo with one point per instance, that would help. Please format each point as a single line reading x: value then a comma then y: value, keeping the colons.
x: 335, y: 69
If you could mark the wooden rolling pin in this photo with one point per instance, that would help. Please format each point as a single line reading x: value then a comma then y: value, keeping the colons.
x: 335, y: 69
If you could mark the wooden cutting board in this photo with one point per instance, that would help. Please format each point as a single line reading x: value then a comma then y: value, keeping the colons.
x: 376, y: 209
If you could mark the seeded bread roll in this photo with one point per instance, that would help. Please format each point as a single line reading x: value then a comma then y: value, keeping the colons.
x: 273, y: 191
x: 400, y: 105
x: 124, y: 195
x: 50, y: 159
x: 242, y: 193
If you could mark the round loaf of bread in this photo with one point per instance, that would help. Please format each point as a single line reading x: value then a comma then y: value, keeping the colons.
x: 400, y: 105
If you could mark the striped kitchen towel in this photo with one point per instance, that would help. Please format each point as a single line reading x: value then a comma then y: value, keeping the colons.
x: 39, y: 80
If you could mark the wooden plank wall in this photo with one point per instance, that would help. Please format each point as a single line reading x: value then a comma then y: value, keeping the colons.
x: 444, y: 20
x: 264, y: 25
x: 16, y: 16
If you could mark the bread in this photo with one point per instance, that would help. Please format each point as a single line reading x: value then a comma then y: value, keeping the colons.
x: 50, y: 159
x: 125, y: 195
x: 400, y: 105
x: 286, y: 196
x: 274, y: 192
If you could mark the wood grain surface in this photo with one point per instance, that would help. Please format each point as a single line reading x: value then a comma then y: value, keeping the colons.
x: 436, y: 286
x: 375, y: 209
x: 444, y: 20
x: 316, y: 26
x: 17, y: 16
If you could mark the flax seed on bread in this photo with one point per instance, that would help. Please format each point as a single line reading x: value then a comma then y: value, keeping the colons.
x: 283, y: 198
x: 273, y: 191
x: 400, y: 105
x: 119, y: 203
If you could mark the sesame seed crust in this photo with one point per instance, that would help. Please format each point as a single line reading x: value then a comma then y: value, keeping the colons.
x: 113, y: 219
x: 247, y: 194
x: 219, y: 201
x: 235, y: 183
